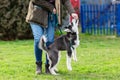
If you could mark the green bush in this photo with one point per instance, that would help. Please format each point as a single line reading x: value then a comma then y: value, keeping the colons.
x: 12, y: 20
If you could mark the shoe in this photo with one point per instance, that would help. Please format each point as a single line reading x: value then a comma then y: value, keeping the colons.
x: 47, y: 71
x: 38, y: 67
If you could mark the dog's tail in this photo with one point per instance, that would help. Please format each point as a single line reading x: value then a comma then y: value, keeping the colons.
x: 42, y: 43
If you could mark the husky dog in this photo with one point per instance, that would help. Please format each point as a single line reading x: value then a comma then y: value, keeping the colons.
x: 63, y: 42
x: 67, y: 42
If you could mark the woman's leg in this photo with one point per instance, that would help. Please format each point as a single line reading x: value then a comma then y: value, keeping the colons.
x: 37, y: 31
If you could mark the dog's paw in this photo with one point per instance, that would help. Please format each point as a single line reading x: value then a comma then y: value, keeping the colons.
x: 75, y: 59
x: 53, y: 72
x: 56, y: 74
x: 56, y: 70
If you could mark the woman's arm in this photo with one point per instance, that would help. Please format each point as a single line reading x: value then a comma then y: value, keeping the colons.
x: 68, y: 5
x: 70, y: 8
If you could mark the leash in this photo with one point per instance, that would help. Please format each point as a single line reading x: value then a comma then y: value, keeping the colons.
x: 57, y: 24
x: 60, y: 30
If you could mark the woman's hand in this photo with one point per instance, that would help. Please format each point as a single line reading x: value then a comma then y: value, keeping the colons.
x: 54, y: 11
x: 74, y: 15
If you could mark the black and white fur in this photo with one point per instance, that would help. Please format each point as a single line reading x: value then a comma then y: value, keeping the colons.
x: 61, y: 43
x: 73, y: 27
x: 67, y: 42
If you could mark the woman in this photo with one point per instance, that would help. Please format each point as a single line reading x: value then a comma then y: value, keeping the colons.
x: 42, y: 18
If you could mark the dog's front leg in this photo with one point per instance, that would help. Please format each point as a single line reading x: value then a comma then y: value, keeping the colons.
x: 74, y: 53
x: 69, y: 67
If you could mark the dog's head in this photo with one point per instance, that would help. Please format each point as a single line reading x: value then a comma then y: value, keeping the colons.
x: 72, y: 27
x: 71, y: 36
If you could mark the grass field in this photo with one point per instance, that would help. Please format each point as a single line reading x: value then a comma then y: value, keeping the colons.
x: 98, y: 59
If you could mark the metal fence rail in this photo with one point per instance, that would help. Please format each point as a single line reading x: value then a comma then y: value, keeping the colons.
x: 98, y: 19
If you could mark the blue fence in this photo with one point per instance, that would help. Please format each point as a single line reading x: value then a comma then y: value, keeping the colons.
x: 118, y: 19
x: 98, y: 19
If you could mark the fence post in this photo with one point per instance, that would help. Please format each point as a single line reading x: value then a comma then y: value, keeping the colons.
x: 118, y: 19
x: 82, y: 19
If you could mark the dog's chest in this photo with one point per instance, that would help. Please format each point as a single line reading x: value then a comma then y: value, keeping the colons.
x: 76, y: 41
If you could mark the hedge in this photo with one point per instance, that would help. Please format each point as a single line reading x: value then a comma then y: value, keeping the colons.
x: 12, y: 20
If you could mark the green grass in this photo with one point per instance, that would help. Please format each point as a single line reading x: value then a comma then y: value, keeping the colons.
x: 98, y: 59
